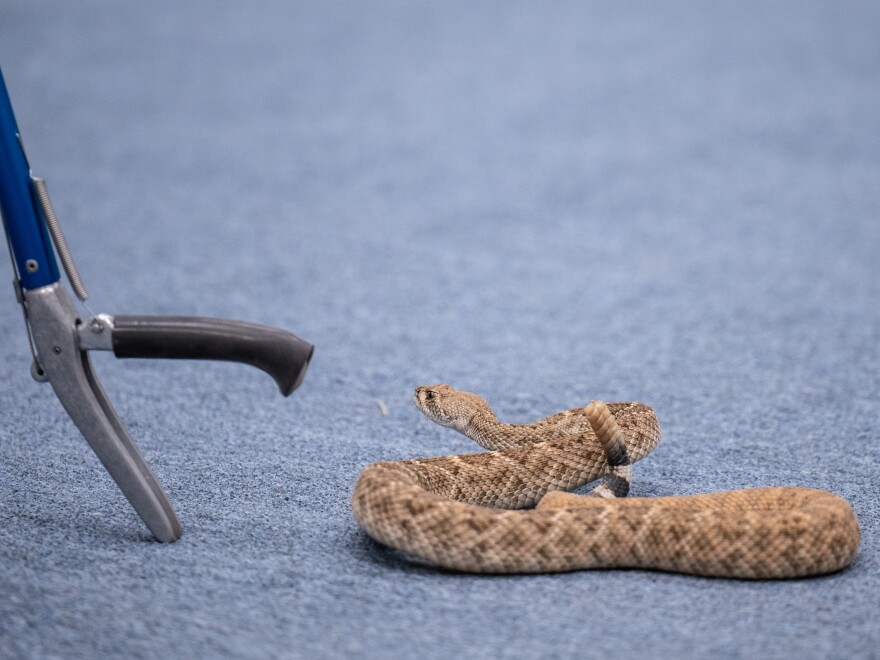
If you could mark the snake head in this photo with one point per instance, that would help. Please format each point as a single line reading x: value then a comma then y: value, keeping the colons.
x: 448, y: 406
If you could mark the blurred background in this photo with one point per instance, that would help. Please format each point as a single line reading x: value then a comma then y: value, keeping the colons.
x: 669, y: 202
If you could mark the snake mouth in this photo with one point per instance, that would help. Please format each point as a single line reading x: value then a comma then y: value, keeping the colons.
x: 433, y: 402
x: 420, y: 399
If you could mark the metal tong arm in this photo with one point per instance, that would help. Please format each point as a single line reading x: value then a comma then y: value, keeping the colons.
x: 61, y: 341
x: 53, y: 320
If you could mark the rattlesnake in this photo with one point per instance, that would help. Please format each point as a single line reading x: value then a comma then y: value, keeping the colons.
x: 456, y: 511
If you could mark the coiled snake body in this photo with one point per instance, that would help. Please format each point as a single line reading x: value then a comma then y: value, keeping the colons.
x: 463, y: 512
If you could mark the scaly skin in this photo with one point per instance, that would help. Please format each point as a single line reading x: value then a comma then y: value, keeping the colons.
x: 450, y: 510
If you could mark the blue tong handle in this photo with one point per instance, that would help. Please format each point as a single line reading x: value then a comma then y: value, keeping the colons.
x: 28, y: 237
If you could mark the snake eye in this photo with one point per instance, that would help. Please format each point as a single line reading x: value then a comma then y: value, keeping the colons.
x: 429, y: 395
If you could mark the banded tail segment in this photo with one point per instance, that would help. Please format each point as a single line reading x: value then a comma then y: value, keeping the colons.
x: 617, y: 480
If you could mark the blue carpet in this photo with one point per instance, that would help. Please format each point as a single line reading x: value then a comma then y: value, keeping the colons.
x: 671, y: 203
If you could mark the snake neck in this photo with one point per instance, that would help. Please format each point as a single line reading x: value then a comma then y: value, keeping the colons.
x: 485, y: 429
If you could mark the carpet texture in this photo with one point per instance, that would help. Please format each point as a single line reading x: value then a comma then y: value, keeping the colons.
x: 674, y: 203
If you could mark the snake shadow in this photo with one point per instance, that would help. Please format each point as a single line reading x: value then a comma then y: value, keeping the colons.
x: 365, y: 549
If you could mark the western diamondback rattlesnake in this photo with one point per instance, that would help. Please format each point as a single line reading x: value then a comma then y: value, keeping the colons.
x: 455, y: 510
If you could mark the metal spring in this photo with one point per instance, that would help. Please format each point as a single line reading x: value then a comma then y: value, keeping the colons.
x: 58, y: 238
